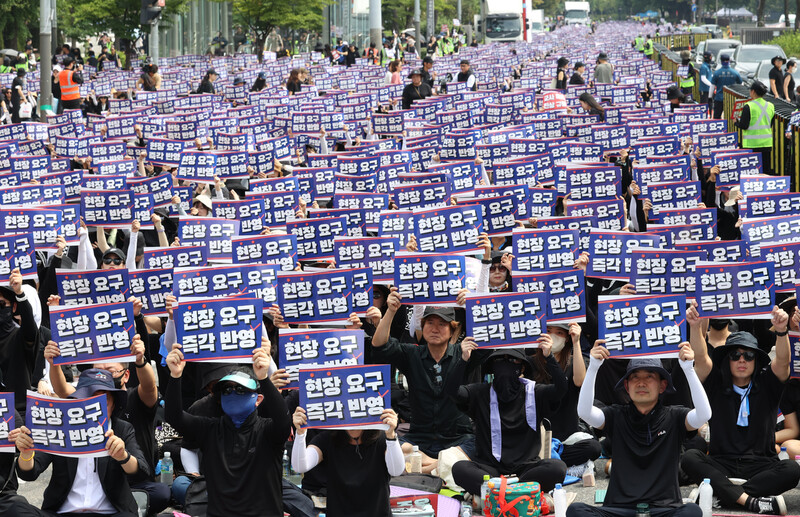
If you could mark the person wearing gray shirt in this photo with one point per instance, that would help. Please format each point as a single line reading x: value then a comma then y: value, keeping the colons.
x: 604, y: 71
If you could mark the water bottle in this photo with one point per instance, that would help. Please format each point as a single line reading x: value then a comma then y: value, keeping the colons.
x: 783, y: 454
x: 484, y: 489
x: 560, y: 501
x: 416, y: 460
x: 167, y: 468
x: 486, y: 502
x: 466, y: 509
x: 642, y: 510
x: 706, y: 496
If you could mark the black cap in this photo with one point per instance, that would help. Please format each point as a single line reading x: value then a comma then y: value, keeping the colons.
x: 739, y: 340
x: 650, y: 364
x: 238, y: 80
x: 673, y: 92
x: 93, y: 380
x: 427, y: 59
x: 579, y: 64
x: 416, y: 71
x: 448, y: 314
x: 563, y: 61
x: 514, y: 353
x: 725, y: 57
x: 114, y: 251
x: 759, y: 88
x: 602, y: 55
x: 783, y: 59
x: 211, y: 71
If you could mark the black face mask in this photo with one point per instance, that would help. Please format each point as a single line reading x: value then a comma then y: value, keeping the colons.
x: 506, y: 380
x: 118, y: 381
x: 6, y: 321
x: 718, y: 324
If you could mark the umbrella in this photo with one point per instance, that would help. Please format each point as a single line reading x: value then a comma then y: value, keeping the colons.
x: 651, y: 14
x: 10, y: 52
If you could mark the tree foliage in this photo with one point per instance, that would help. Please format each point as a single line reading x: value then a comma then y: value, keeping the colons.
x: 81, y: 18
x: 261, y: 16
x: 17, y: 18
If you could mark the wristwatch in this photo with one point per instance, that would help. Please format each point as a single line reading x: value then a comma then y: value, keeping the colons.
x: 126, y: 460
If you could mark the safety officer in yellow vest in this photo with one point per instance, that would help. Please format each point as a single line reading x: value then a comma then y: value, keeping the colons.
x: 70, y: 81
x: 686, y: 78
x: 756, y: 125
x: 638, y: 43
x: 648, y: 47
x: 6, y: 67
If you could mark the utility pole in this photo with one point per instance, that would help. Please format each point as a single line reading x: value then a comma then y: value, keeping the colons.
x: 458, y: 11
x: 431, y: 20
x: 417, y: 28
x: 375, y: 24
x: 45, y: 57
x: 154, y: 41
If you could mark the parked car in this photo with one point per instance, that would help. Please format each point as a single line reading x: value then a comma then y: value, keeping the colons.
x: 729, y: 52
x: 745, y: 58
x: 714, y: 46
x: 713, y: 29
x: 762, y: 73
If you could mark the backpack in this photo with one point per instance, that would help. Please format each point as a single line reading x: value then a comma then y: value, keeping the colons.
x: 196, y: 503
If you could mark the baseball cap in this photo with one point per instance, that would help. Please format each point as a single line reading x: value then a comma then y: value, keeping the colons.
x: 650, y: 364
x: 241, y: 378
x: 446, y: 313
x: 115, y: 251
x: 93, y: 380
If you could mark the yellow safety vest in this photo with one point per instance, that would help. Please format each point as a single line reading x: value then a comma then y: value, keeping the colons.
x: 648, y: 49
x: 689, y: 81
x: 759, y: 133
x: 639, y: 43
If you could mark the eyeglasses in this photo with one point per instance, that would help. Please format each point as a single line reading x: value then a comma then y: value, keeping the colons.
x: 497, y: 267
x: 115, y: 372
x: 108, y: 261
x: 748, y: 355
x: 239, y: 390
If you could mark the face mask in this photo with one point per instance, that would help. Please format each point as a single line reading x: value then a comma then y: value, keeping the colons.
x: 718, y: 324
x: 118, y: 381
x: 6, y: 321
x: 506, y: 380
x: 238, y: 407
x: 558, y: 343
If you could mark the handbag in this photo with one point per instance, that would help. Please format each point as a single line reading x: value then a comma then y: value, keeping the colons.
x: 25, y: 109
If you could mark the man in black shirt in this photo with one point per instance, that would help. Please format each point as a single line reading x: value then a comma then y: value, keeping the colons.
x: 19, y: 336
x: 242, y: 451
x: 416, y: 90
x: 507, y: 414
x: 466, y: 76
x: 428, y: 76
x: 744, y: 389
x: 646, y: 436
x: 436, y: 423
x: 577, y: 74
x: 776, y: 77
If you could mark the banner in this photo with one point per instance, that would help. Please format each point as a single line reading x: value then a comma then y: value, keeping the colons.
x: 315, y: 237
x: 175, y: 256
x: 665, y: 271
x: 326, y: 296
x: 151, y: 287
x: 17, y: 251
x: 250, y: 213
x: 593, y: 183
x: 544, y: 250
x: 785, y: 258
x: 274, y: 248
x: 90, y: 334
x: 107, y: 208
x: 345, y: 397
x: 7, y: 421
x: 424, y: 279
x: 219, y: 330
x: 215, y: 233
x: 375, y: 253
x: 449, y: 229
x: 507, y: 320
x: 639, y: 326
x: 44, y: 225
x: 718, y: 251
x: 566, y: 293
x: 248, y: 280
x: 68, y: 427
x: 610, y: 253
x: 609, y: 214
x: 771, y: 205
x: 321, y: 348
x: 740, y: 290
x: 102, y: 286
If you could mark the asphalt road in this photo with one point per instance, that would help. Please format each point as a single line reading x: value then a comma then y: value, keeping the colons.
x: 33, y: 491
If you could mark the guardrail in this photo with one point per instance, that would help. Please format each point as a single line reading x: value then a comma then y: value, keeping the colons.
x: 758, y: 35
x: 784, y: 150
x: 680, y: 41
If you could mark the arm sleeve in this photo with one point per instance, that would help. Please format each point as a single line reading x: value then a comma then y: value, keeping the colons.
x: 483, y: 279
x: 453, y: 383
x: 702, y: 408
x: 28, y: 327
x: 395, y: 462
x: 323, y: 145
x: 304, y: 458
x: 586, y: 410
x: 190, y: 460
x: 553, y: 393
x: 170, y: 335
x: 744, y: 119
x: 181, y: 211
x: 130, y: 260
x: 705, y: 80
x: 86, y: 260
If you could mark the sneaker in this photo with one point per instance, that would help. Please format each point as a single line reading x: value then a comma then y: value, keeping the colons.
x: 694, y: 496
x: 774, y: 505
x: 577, y: 470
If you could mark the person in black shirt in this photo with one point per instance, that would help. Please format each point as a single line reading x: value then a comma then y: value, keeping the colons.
x: 416, y: 90
x: 591, y: 106
x: 19, y: 336
x: 359, y: 464
x: 242, y: 451
x: 207, y: 84
x: 293, y: 84
x: 776, y: 77
x: 561, y: 73
x: 466, y: 76
x: 507, y: 414
x: 744, y: 388
x: 577, y: 74
x: 427, y: 75
x: 646, y: 436
x: 436, y: 422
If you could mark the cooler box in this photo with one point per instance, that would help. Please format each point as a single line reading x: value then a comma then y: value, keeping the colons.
x: 516, y: 500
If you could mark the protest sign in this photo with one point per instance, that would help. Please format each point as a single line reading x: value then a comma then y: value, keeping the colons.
x: 275, y: 248
x: 107, y: 208
x: 449, y: 229
x: 175, y: 256
x: 43, y: 225
x: 638, y: 326
x: 92, y: 287
x: 315, y: 237
x: 544, y: 250
x: 375, y: 253
x: 740, y: 290
x: 665, y: 271
x: 318, y: 347
x: 507, y: 320
x: 215, y: 233
x: 17, y: 252
x: 323, y: 296
x: 610, y: 253
x: 425, y: 279
x: 345, y: 397
x: 151, y: 287
x: 7, y: 422
x: 786, y: 258
x: 89, y: 334
x: 219, y: 330
x: 565, y: 293
x: 68, y: 427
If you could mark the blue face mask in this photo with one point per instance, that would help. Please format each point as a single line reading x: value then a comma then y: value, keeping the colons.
x: 238, y: 407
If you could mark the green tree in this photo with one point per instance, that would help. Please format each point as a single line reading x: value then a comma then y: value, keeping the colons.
x: 17, y: 18
x: 80, y: 19
x: 261, y: 16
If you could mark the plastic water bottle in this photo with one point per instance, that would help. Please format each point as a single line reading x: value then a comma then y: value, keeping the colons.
x: 783, y: 454
x: 466, y: 509
x: 167, y: 468
x: 706, y: 496
x: 484, y: 489
x: 560, y: 501
x: 416, y: 460
x: 486, y: 502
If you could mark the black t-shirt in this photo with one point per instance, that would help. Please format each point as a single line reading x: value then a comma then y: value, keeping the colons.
x: 142, y: 418
x: 758, y: 438
x: 647, y: 450
x: 412, y: 93
x: 790, y: 400
x: 358, y: 481
x: 577, y: 79
x: 564, y: 420
x: 777, y: 75
x: 293, y: 86
x: 18, y: 82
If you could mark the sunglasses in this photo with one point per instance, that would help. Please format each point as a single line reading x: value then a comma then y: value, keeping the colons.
x: 748, y: 355
x: 497, y: 268
x: 108, y: 261
x: 239, y: 390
